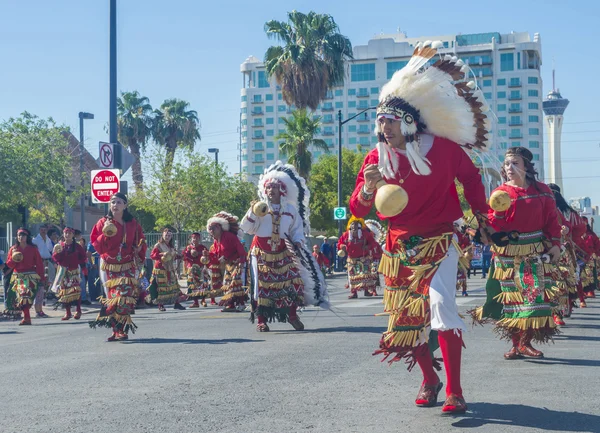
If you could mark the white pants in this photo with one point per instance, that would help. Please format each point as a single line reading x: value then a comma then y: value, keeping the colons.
x: 442, y: 295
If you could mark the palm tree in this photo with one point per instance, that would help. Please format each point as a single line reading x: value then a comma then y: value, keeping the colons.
x: 175, y: 126
x: 134, y: 122
x: 301, y: 129
x: 311, y: 59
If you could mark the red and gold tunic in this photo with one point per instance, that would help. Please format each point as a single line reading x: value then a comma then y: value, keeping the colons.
x: 67, y: 283
x: 361, y: 275
x: 164, y: 287
x: 198, y: 275
x: 27, y: 275
x: 424, y: 227
x: 119, y: 269
x: 227, y: 277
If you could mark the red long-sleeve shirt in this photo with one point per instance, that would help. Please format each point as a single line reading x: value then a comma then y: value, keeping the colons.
x: 531, y: 210
x: 191, y: 260
x: 358, y: 247
x: 433, y: 203
x: 70, y: 258
x: 155, y: 255
x: 130, y: 235
x: 229, y: 246
x: 32, y: 260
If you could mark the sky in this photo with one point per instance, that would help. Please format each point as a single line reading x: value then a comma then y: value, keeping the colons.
x: 54, y: 58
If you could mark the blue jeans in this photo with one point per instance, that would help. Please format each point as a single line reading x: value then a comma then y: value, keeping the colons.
x: 93, y: 287
x: 485, y: 265
x: 83, y: 287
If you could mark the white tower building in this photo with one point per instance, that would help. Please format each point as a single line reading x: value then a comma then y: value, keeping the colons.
x: 554, y: 108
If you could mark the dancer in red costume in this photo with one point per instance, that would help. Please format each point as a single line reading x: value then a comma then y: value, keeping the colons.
x: 120, y: 241
x: 69, y: 256
x: 227, y: 258
x: 196, y: 259
x: 419, y: 149
x: 464, y: 262
x: 591, y: 245
x: 358, y: 243
x: 28, y: 274
x: 164, y: 285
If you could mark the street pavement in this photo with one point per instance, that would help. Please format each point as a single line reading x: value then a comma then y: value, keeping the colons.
x: 201, y: 370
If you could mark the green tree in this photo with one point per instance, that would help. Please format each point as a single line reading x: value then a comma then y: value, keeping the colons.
x: 175, y: 127
x: 193, y: 190
x: 134, y: 120
x: 323, y: 188
x: 299, y: 135
x: 35, y: 163
x: 310, y: 59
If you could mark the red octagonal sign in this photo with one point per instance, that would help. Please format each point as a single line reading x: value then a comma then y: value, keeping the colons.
x: 104, y: 184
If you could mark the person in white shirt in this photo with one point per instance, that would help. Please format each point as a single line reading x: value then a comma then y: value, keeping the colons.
x: 45, y: 246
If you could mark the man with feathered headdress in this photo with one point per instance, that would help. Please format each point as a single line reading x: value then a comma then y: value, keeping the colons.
x: 423, y: 117
x: 285, y: 275
x: 227, y: 258
x: 358, y: 244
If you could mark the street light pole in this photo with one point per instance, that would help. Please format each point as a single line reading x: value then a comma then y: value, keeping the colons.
x: 216, y: 152
x: 340, y: 124
x: 82, y: 116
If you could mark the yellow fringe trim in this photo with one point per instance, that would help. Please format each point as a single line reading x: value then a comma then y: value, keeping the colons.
x: 116, y: 267
x: 510, y: 297
x: 270, y: 257
x: 519, y: 250
x: 280, y: 284
x: 120, y: 281
x: 394, y: 299
x: 281, y: 270
x: 411, y: 338
x: 25, y: 275
x: 119, y: 300
x: 70, y: 298
x: 529, y: 323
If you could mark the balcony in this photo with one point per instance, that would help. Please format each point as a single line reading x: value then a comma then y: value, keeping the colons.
x: 258, y: 125
x: 363, y: 119
x: 329, y: 95
x: 257, y: 112
x: 327, y: 107
x: 515, y: 110
x: 519, y: 123
x: 362, y: 95
x: 327, y: 120
x: 363, y: 131
x: 515, y: 136
x: 363, y: 106
x: 257, y: 101
x: 328, y: 132
x: 514, y: 84
x: 258, y: 136
x: 258, y: 148
x: 515, y: 97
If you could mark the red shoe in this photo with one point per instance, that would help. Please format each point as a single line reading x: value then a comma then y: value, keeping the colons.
x: 113, y: 337
x: 454, y: 405
x: 212, y: 301
x: 77, y: 315
x: 121, y: 336
x: 582, y: 304
x: 428, y: 395
x: 66, y: 317
x: 558, y: 321
x: 161, y: 308
x: 25, y: 322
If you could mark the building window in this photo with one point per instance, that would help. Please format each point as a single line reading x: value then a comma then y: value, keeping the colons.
x: 268, y: 97
x: 501, y: 107
x: 339, y: 105
x: 279, y: 97
x: 352, y: 140
x: 394, y: 66
x: 502, y: 133
x: 501, y: 95
x: 516, y: 144
x: 536, y: 157
x: 502, y: 120
x: 339, y: 92
x: 363, y: 141
x: 503, y: 145
x: 487, y: 83
x: 532, y: 92
x: 270, y: 132
x: 270, y: 120
x: 374, y: 90
x: 515, y: 120
x: 534, y: 144
x: 258, y: 169
x: 281, y: 108
x: 533, y: 106
x: 534, y: 118
x: 515, y: 82
x: 487, y: 95
x: 518, y: 60
x: 532, y: 80
x: 352, y: 104
x: 352, y: 128
x: 351, y: 92
x: 270, y: 145
x: 507, y: 62
x: 244, y: 98
x: 270, y: 156
x: 534, y: 131
x: 501, y: 81
x: 269, y: 108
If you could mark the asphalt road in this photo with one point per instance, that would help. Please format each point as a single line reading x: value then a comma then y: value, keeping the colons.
x: 207, y: 371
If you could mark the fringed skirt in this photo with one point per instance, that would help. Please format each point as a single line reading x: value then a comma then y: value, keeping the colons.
x: 525, y: 287
x: 233, y: 287
x: 408, y: 270
x: 276, y: 283
x: 69, y: 288
x: 566, y: 279
x: 589, y: 276
x: 198, y: 282
x: 22, y: 291
x: 120, y: 282
x: 164, y: 287
x: 361, y: 275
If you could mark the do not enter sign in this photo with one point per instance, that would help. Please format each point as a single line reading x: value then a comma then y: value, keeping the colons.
x: 104, y: 184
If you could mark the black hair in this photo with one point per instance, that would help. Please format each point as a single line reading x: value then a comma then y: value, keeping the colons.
x: 561, y: 203
x: 171, y: 242
x: 29, y: 238
x: 531, y: 173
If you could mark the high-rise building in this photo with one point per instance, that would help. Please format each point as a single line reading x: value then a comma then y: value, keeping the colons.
x: 554, y: 108
x: 506, y: 66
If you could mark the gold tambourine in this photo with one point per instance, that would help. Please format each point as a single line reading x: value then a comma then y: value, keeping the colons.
x: 109, y: 229
x: 17, y: 256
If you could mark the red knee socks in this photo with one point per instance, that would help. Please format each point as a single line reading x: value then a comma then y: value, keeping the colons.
x: 451, y: 346
x: 423, y: 357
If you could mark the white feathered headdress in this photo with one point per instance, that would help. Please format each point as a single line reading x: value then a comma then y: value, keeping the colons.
x: 378, y: 231
x: 293, y: 189
x: 227, y: 221
x: 435, y: 100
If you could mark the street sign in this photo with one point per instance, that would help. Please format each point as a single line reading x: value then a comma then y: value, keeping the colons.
x: 339, y: 213
x: 107, y: 155
x: 127, y: 159
x: 104, y: 184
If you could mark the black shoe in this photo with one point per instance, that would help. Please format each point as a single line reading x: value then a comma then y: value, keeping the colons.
x: 178, y: 307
